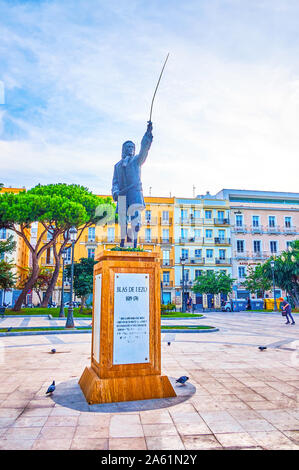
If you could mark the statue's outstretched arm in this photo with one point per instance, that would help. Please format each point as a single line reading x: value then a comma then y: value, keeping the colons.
x: 145, y: 144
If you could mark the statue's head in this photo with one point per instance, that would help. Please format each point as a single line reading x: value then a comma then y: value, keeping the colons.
x: 128, y: 149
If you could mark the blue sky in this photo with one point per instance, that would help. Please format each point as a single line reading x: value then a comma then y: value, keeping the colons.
x: 78, y: 78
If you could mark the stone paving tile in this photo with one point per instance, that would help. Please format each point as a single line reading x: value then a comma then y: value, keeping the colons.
x: 30, y: 421
x: 89, y: 444
x: 274, y: 440
x: 61, y: 421
x: 17, y: 444
x: 164, y: 443
x: 256, y: 425
x: 159, y: 430
x: 137, y: 443
x: 201, y: 442
x: 21, y: 433
x: 155, y: 417
x: 57, y: 432
x: 280, y: 418
x: 236, y: 440
x: 125, y: 426
x: 92, y: 432
x: 52, y: 444
x: 292, y: 435
x: 221, y: 422
x: 94, y: 419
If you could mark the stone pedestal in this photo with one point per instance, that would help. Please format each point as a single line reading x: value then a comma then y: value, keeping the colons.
x: 126, y: 330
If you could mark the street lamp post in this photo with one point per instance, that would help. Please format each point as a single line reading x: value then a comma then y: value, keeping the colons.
x: 61, y: 312
x: 70, y: 318
x: 272, y: 263
x: 183, y: 284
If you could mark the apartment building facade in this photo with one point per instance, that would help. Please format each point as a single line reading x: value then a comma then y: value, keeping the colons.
x: 263, y: 224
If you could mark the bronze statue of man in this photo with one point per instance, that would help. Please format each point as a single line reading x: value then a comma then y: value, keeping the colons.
x: 127, y: 187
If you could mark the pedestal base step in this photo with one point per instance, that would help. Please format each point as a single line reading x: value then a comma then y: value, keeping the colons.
x: 119, y: 389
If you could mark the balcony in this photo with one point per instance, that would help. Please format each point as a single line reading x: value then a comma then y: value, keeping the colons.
x: 195, y: 220
x: 166, y: 241
x: 166, y: 222
x: 256, y: 228
x: 274, y: 230
x: 148, y: 241
x: 223, y: 261
x: 221, y: 221
x: 91, y: 240
x: 241, y: 254
x: 240, y: 228
x: 259, y: 255
x: 289, y: 230
x: 198, y: 240
x: 165, y: 263
x: 187, y: 283
x: 149, y: 221
x: 166, y: 284
x: 222, y: 241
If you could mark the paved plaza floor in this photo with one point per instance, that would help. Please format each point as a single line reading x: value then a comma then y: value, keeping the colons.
x: 237, y: 397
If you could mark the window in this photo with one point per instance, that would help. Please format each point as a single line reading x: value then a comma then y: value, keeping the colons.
x: 289, y: 244
x: 208, y: 214
x: 148, y: 234
x: 273, y: 246
x: 165, y: 216
x: 90, y: 253
x: 165, y: 234
x: 222, y: 254
x: 49, y: 236
x: 197, y: 233
x: 184, y: 214
x: 184, y: 233
x: 184, y: 253
x: 91, y: 234
x: 220, y: 215
x: 209, y: 254
x: 272, y: 221
x: 257, y: 246
x: 48, y: 255
x: 221, y: 234
x: 197, y: 273
x: 239, y: 220
x: 148, y: 215
x: 186, y: 274
x: 288, y: 222
x: 240, y: 246
x: 196, y: 214
x: 209, y: 233
x: 111, y: 234
x: 255, y: 220
x: 166, y: 276
x: 165, y: 257
x: 242, y: 272
x: 3, y: 233
x: 197, y: 253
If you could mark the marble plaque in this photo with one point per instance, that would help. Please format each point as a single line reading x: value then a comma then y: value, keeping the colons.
x: 131, y: 318
x: 97, y: 317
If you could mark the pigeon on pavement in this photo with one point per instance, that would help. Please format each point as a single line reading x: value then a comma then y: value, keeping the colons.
x: 53, y: 351
x: 262, y: 348
x: 51, y: 388
x: 182, y: 380
x: 169, y: 343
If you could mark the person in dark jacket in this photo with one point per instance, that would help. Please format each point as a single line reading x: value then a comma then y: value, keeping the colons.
x: 287, y: 309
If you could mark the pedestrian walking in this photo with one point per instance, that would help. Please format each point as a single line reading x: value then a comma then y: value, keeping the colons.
x: 286, y: 311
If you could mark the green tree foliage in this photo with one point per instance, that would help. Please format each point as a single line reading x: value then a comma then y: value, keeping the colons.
x: 256, y: 280
x: 286, y: 271
x: 83, y: 278
x: 213, y: 282
x: 57, y: 207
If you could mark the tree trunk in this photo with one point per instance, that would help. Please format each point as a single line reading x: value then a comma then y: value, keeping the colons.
x: 52, y: 284
x: 28, y: 285
x: 83, y: 303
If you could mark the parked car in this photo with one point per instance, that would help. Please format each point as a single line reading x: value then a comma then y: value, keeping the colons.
x: 75, y: 304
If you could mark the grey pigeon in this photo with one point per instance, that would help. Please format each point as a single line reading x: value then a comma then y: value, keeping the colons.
x: 169, y: 343
x: 182, y: 380
x: 51, y: 388
x: 53, y: 351
x: 262, y: 348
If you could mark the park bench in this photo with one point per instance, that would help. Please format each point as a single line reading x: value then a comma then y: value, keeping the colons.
x: 2, y: 311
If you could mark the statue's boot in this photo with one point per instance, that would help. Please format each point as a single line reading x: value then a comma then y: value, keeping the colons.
x: 122, y: 243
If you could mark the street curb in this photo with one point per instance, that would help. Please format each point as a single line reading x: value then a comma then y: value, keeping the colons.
x: 173, y: 330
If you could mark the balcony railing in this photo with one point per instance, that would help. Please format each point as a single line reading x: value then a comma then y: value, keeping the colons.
x: 165, y: 221
x: 166, y: 241
x: 149, y: 221
x: 256, y: 228
x: 275, y: 229
x: 167, y: 263
x: 289, y: 230
x: 195, y: 260
x: 188, y: 283
x: 223, y: 261
x: 241, y: 254
x: 167, y: 284
x: 198, y: 240
x: 240, y: 228
x: 195, y: 220
x: 221, y: 221
x: 90, y: 239
x: 148, y: 241
x: 222, y: 241
x: 259, y: 255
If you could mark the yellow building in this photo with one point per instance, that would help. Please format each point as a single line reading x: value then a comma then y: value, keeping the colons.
x: 156, y: 234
